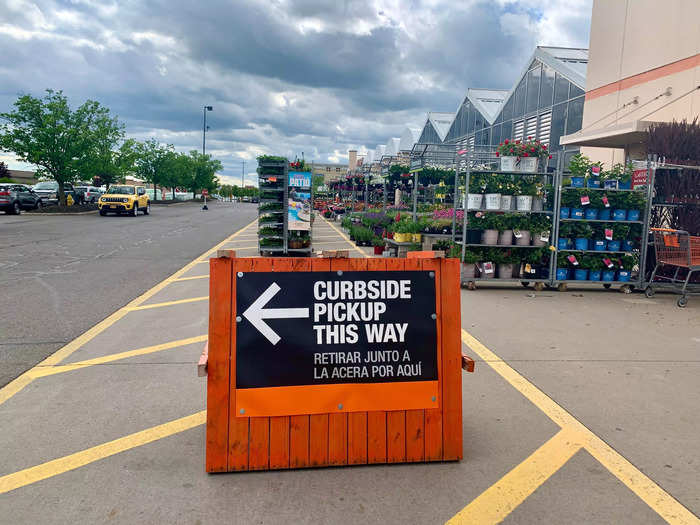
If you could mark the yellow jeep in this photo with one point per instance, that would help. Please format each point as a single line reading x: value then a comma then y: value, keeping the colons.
x: 121, y: 198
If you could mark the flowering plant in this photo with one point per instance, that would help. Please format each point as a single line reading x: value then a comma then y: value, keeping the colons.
x: 524, y: 148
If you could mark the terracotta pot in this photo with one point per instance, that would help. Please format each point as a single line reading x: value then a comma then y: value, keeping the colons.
x: 505, y: 238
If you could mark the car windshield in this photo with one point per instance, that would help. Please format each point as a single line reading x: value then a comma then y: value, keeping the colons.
x: 46, y: 186
x: 121, y: 190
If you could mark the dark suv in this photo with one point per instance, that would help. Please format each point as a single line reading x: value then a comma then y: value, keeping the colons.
x: 17, y: 197
x: 48, y: 191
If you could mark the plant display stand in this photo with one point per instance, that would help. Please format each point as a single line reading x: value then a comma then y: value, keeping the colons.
x: 599, y: 228
x: 507, y: 227
x: 278, y: 193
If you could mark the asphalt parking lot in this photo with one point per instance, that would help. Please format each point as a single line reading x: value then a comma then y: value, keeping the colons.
x: 583, y: 409
x: 60, y: 275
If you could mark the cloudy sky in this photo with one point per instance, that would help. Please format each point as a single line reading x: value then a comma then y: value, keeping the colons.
x: 284, y: 76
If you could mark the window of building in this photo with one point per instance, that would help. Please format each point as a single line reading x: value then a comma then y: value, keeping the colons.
x: 519, y: 105
x: 575, y: 115
x: 544, y: 127
x: 496, y: 135
x: 561, y: 89
x: 506, y: 130
x: 531, y: 127
x: 508, y: 109
x: 518, y: 129
x: 533, y: 89
x: 558, y: 125
x: 546, y: 87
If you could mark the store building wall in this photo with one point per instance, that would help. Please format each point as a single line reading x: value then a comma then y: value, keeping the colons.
x: 640, y: 48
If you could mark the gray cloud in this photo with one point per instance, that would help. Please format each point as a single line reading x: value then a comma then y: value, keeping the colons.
x: 284, y: 76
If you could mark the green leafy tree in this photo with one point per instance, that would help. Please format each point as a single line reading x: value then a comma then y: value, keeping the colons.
x: 203, y: 172
x: 104, y: 162
x: 152, y: 162
x: 178, y: 169
x: 48, y: 133
x: 4, y: 173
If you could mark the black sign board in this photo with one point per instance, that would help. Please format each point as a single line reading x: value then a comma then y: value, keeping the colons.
x: 323, y: 328
x: 416, y: 164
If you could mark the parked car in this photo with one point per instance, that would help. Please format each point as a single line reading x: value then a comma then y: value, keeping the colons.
x: 17, y: 197
x: 89, y: 193
x: 48, y: 191
x: 122, y: 198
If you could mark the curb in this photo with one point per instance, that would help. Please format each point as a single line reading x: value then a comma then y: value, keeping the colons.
x: 34, y: 214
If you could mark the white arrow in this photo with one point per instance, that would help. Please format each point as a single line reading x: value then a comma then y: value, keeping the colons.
x: 255, y: 313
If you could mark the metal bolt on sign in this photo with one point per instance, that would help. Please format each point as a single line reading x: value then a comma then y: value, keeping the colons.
x: 433, y: 399
x: 242, y: 411
x: 340, y: 272
x: 238, y: 319
x: 432, y: 274
x: 340, y: 406
x: 433, y: 316
x: 240, y: 274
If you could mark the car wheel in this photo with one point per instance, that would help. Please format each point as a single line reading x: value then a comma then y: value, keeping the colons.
x: 103, y: 212
x: 147, y: 210
x: 135, y: 210
x: 16, y: 209
x: 38, y: 204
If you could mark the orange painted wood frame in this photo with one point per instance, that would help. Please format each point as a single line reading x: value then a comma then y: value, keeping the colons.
x: 235, y: 443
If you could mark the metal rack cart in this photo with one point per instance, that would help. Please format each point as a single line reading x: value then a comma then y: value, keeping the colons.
x: 643, y: 221
x: 681, y: 251
x: 272, y: 181
x: 485, y: 161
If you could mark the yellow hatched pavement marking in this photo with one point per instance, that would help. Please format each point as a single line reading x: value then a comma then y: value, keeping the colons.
x: 645, y: 488
x: 79, y: 459
x: 344, y: 237
x: 501, y: 498
x: 18, y: 384
x: 168, y: 303
x: 191, y: 278
x: 58, y: 369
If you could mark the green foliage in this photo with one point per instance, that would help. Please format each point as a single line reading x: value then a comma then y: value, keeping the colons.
x: 265, y: 231
x: 270, y: 158
x: 270, y: 206
x: 270, y: 218
x: 362, y: 234
x: 582, y: 230
x: 377, y: 241
x: 580, y: 165
x: 270, y: 242
x: 628, y: 262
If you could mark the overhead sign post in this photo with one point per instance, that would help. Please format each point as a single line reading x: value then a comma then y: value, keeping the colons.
x: 313, y: 342
x: 320, y: 362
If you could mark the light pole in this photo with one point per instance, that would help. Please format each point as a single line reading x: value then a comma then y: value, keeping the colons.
x: 204, y: 129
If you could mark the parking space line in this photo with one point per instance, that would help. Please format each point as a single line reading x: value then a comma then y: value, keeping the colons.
x: 191, y: 278
x: 167, y: 303
x: 644, y: 487
x: 62, y: 353
x: 58, y: 369
x: 345, y: 237
x: 501, y: 498
x: 79, y: 459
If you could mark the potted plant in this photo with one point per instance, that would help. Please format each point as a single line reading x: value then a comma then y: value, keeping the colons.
x: 625, y: 182
x: 469, y: 265
x: 528, y: 190
x: 540, y: 230
x: 635, y: 202
x: 563, y: 266
x: 378, y: 244
x: 493, y: 192
x: 503, y: 223
x: 475, y: 196
x: 579, y: 167
x: 508, y: 188
x: 582, y: 233
x: 566, y: 233
x: 627, y: 264
x: 490, y: 231
x: 593, y: 176
x: 593, y: 206
x: 581, y: 269
x: 571, y: 205
x: 595, y: 268
x: 521, y: 155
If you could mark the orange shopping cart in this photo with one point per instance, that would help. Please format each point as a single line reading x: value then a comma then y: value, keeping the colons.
x: 680, y: 250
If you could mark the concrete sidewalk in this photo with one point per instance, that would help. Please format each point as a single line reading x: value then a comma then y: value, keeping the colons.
x: 110, y: 428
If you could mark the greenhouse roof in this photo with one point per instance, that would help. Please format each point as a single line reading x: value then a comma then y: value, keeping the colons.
x: 408, y: 138
x: 440, y: 122
x: 392, y: 147
x: 570, y: 62
x: 487, y: 101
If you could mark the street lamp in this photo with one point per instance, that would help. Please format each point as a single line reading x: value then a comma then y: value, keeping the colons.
x: 204, y: 129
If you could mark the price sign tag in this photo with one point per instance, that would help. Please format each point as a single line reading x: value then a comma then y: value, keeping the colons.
x: 572, y: 260
x: 608, y: 262
x: 609, y: 234
x: 595, y: 170
x: 585, y: 200
x: 544, y: 236
x: 517, y: 234
x: 605, y: 201
x: 528, y: 268
x: 488, y: 267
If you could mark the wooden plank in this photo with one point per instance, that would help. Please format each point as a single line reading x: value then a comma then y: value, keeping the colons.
x: 433, y: 417
x: 452, y: 359
x: 279, y: 442
x: 218, y: 378
x: 376, y: 421
x: 318, y: 423
x: 238, y: 426
x: 298, y: 425
x: 395, y: 420
x: 259, y: 442
x: 415, y: 419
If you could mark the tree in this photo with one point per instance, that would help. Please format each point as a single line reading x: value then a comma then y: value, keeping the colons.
x: 178, y: 170
x: 5, y: 175
x: 47, y: 133
x: 103, y: 161
x: 203, y: 174
x: 152, y: 162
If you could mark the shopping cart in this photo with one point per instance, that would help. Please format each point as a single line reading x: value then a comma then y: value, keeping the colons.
x: 679, y: 250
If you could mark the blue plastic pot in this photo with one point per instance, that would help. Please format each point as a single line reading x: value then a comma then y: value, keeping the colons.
x: 564, y: 212
x: 608, y: 275
x: 599, y: 246
x: 593, y: 183
x: 577, y: 182
x: 594, y: 275
x: 563, y: 244
x: 619, y: 215
x: 604, y: 214
x: 613, y: 246
x: 623, y: 276
x: 581, y: 243
x: 627, y: 246
x: 563, y: 274
x: 578, y: 213
x: 610, y: 185
x: 581, y: 275
x: 632, y: 215
x: 624, y: 185
x: 591, y: 213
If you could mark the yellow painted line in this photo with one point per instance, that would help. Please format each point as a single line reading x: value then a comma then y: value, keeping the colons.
x: 646, y: 489
x: 62, y: 353
x: 58, y: 369
x: 64, y: 464
x: 501, y: 498
x: 191, y: 278
x: 168, y: 303
x: 345, y: 237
